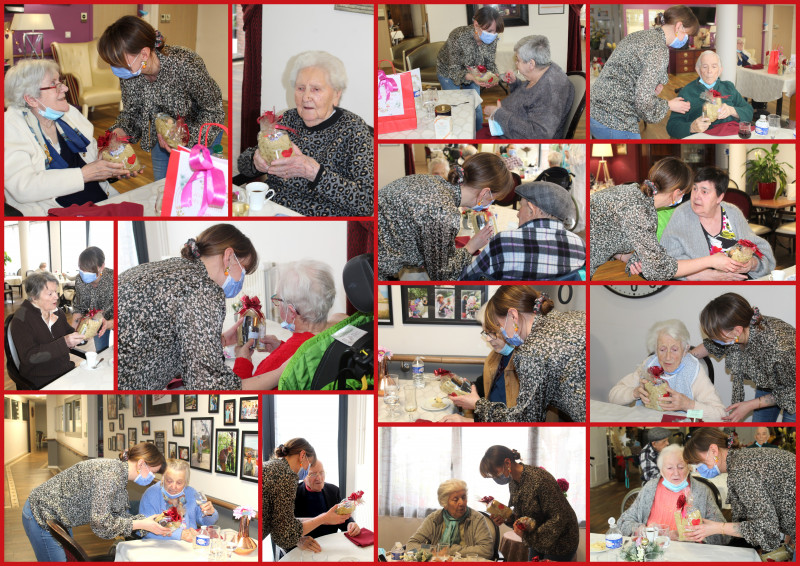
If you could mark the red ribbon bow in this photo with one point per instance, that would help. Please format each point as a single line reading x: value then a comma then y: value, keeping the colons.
x: 655, y: 371
x: 681, y: 505
x: 180, y: 123
x: 251, y: 303
x: 440, y: 372
x: 92, y: 313
x: 752, y: 246
x: 105, y: 140
x: 271, y: 117
x: 173, y: 515
x: 482, y: 68
x: 486, y: 499
x: 356, y: 495
x: 717, y: 94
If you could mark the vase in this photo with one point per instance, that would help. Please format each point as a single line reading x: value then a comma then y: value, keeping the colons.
x: 246, y: 544
x: 767, y: 190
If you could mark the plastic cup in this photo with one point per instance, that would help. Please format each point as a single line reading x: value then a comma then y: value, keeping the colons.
x: 91, y: 360
x: 777, y: 275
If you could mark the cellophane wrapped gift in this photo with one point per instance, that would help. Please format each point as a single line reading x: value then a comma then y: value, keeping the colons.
x: 90, y: 323
x: 449, y: 382
x: 712, y: 103
x: 482, y: 74
x: 273, y: 140
x: 525, y: 524
x: 655, y: 386
x: 743, y: 250
x: 348, y: 506
x: 253, y: 321
x: 174, y: 131
x: 118, y: 149
x: 686, y: 515
x: 494, y: 507
x: 171, y: 518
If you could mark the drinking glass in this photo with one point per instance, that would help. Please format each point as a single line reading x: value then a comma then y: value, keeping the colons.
x: 391, y: 395
x: 229, y: 536
x: 240, y: 204
x: 200, y: 498
x: 774, y: 125
x: 744, y: 130
x: 410, y: 398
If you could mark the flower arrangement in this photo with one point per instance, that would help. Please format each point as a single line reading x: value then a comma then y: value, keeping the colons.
x: 245, y: 511
x: 640, y: 550
x: 243, y: 514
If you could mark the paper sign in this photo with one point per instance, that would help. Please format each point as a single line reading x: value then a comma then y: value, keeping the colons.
x: 349, y: 335
x: 695, y: 413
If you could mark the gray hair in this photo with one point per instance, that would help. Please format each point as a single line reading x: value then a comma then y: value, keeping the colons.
x: 668, y: 450
x: 673, y: 328
x: 308, y: 286
x: 337, y: 76
x: 536, y: 47
x: 25, y: 78
x: 447, y: 487
x: 37, y: 281
x: 180, y: 466
x: 438, y: 161
x: 700, y: 60
x: 554, y: 159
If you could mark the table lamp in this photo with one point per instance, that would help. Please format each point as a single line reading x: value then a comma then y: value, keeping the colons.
x: 602, y: 150
x: 32, y: 39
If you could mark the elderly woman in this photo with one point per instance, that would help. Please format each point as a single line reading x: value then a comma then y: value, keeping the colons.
x: 705, y: 228
x: 156, y: 77
x: 330, y: 170
x: 657, y: 501
x: 538, y: 107
x: 688, y: 386
x: 174, y: 491
x: 50, y: 155
x: 628, y: 86
x: 466, y: 531
x: 550, y: 358
x: 623, y: 224
x: 761, y: 349
x: 171, y: 313
x: 761, y: 489
x: 439, y: 166
x: 94, y: 290
x: 535, y: 494
x: 93, y: 492
x: 419, y: 218
x: 734, y: 108
x: 471, y: 46
x: 741, y: 57
x: 41, y: 333
x: 304, y: 296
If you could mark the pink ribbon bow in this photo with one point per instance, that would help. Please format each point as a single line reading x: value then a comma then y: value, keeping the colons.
x: 388, y: 83
x: 213, y: 193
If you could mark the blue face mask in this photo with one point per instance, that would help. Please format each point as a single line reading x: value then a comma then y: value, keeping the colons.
x: 168, y: 495
x: 50, y: 114
x: 125, y: 73
x: 481, y: 207
x: 88, y: 277
x: 721, y: 343
x: 507, y: 349
x: 707, y: 472
x: 488, y: 37
x: 512, y: 152
x: 304, y: 472
x: 144, y: 481
x: 678, y: 43
x: 513, y: 340
x: 677, y: 202
x: 705, y: 84
x: 230, y: 287
x: 502, y: 480
x: 675, y: 488
x: 288, y: 326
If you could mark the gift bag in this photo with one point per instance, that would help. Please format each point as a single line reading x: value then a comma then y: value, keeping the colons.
x: 396, y: 108
x: 197, y: 182
x: 774, y: 60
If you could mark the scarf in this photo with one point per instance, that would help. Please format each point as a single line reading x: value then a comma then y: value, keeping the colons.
x: 74, y: 139
x: 452, y: 532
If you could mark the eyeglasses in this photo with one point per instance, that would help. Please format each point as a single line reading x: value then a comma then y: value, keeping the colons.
x: 316, y: 475
x: 55, y: 84
x: 486, y: 336
x: 276, y: 301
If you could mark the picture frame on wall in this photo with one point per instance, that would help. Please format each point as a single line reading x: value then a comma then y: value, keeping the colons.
x: 145, y: 427
x: 213, y: 403
x: 428, y: 304
x: 514, y: 15
x: 111, y: 427
x: 120, y: 441
x: 549, y: 9
x: 177, y: 427
x: 131, y: 437
x: 190, y: 403
x: 248, y: 409
x: 121, y: 421
x: 250, y: 459
x: 159, y: 405
x: 138, y: 405
x: 225, y: 451
x: 183, y: 453
x: 201, y: 437
x: 161, y: 440
x: 385, y: 305
x: 173, y: 450
x: 111, y: 407
x: 229, y: 412
x: 110, y: 443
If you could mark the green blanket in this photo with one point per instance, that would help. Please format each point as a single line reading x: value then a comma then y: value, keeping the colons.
x: 299, y: 372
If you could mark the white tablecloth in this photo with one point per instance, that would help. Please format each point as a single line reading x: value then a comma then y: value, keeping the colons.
x: 463, y: 103
x: 336, y: 548
x: 783, y: 134
x: 270, y: 208
x: 763, y: 87
x: 685, y: 552
x: 99, y: 379
x: 13, y: 279
x: 166, y: 551
x: 423, y: 395
x: 789, y: 271
x: 602, y: 412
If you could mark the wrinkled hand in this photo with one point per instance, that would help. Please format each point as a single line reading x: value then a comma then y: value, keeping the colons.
x: 308, y: 543
x: 737, y: 412
x: 466, y: 401
x: 497, y: 520
x: 726, y: 111
x: 229, y: 337
x: 700, y: 125
x: 101, y: 170
x: 259, y: 163
x: 188, y: 535
x: 489, y: 110
x: 353, y: 529
x: 74, y: 339
x: 679, y: 105
x: 244, y: 350
x: 641, y: 392
x: 675, y: 402
x: 331, y: 517
x: 297, y: 165
x: 703, y: 530
x: 207, y: 508
x: 722, y: 262
x: 479, y: 240
x: 699, y: 352
x: 270, y: 342
x: 714, y: 275
x: 164, y: 145
x: 152, y: 526
x: 510, y: 77
x: 751, y: 264
x: 454, y: 418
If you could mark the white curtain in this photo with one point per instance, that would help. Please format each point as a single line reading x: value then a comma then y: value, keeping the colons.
x: 127, y: 247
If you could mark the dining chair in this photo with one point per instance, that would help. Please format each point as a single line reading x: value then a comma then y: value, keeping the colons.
x: 496, y: 556
x: 743, y: 202
x: 578, y: 80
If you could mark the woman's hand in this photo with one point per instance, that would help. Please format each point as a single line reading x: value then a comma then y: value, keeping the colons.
x: 714, y: 275
x: 679, y: 105
x: 270, y: 342
x: 700, y: 125
x: 244, y: 351
x: 722, y: 262
x: 164, y: 145
x: 751, y: 264
x: 489, y: 110
x: 454, y: 418
x: 207, y: 508
x: 74, y: 339
x: 479, y: 240
x: 151, y: 525
x: 229, y: 337
x: 497, y: 520
x: 675, y: 402
x: 726, y: 111
x: 188, y: 535
x: 101, y: 170
x: 739, y: 411
x: 518, y: 531
x: 699, y: 352
x: 467, y: 401
x: 259, y: 163
x: 510, y: 77
x: 107, y: 325
x: 703, y: 530
x: 331, y: 517
x: 295, y: 166
x: 641, y: 392
x: 353, y: 529
x: 308, y: 543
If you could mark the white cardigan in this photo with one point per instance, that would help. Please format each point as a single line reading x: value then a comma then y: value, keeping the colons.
x: 29, y: 187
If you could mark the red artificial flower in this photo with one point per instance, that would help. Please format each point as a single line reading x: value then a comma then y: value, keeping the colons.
x: 655, y: 371
x: 173, y: 515
x: 356, y: 495
x: 486, y: 499
x: 563, y: 484
x: 681, y: 502
x: 752, y: 246
x: 482, y: 68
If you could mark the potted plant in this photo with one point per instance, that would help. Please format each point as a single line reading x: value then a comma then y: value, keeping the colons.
x: 597, y: 35
x: 764, y: 173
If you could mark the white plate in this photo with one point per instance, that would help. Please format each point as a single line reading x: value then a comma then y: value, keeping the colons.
x: 84, y: 366
x: 428, y: 404
x: 597, y: 551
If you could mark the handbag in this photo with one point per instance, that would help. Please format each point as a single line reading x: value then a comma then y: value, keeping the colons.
x: 774, y: 61
x: 396, y: 108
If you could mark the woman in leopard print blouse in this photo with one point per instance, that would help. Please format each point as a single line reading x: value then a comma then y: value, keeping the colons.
x: 93, y: 492
x: 156, y: 77
x: 535, y: 494
x: 761, y: 489
x: 94, y: 289
x: 418, y: 218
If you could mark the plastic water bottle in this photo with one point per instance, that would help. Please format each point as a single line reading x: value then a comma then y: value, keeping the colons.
x: 418, y: 372
x: 613, y: 536
x: 762, y: 126
x: 202, y: 541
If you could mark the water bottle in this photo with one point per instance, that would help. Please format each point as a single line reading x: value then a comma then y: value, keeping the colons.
x: 613, y: 536
x: 202, y: 541
x: 762, y: 126
x: 418, y: 372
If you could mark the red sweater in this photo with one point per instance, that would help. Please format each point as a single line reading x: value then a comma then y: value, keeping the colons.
x: 244, y: 367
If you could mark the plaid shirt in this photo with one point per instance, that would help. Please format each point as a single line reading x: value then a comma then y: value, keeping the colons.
x: 513, y: 163
x: 538, y: 249
x: 647, y: 461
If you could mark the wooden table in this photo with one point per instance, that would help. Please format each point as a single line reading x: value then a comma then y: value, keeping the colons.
x: 771, y: 208
x: 614, y: 270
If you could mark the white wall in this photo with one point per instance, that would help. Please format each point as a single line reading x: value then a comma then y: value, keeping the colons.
x: 435, y: 339
x: 228, y: 488
x: 79, y: 444
x: 618, y: 327
x: 212, y: 42
x: 290, y: 29
x: 443, y: 18
x: 15, y: 434
x: 391, y: 163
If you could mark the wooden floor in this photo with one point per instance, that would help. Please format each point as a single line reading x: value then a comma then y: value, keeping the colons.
x: 103, y: 117
x: 28, y: 473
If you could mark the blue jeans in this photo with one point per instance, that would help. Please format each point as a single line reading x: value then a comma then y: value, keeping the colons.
x: 46, y: 548
x: 601, y: 132
x: 770, y: 414
x: 448, y: 84
x: 101, y: 342
x: 161, y: 158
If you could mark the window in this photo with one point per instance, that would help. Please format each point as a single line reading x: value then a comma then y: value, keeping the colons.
x: 101, y: 234
x: 11, y: 244
x: 127, y: 247
x: 74, y: 240
x: 634, y: 20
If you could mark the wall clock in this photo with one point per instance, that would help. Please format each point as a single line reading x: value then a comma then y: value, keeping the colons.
x: 635, y: 291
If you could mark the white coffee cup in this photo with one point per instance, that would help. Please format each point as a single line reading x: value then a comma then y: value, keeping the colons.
x: 91, y: 359
x: 651, y: 533
x: 257, y: 194
x: 778, y: 275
